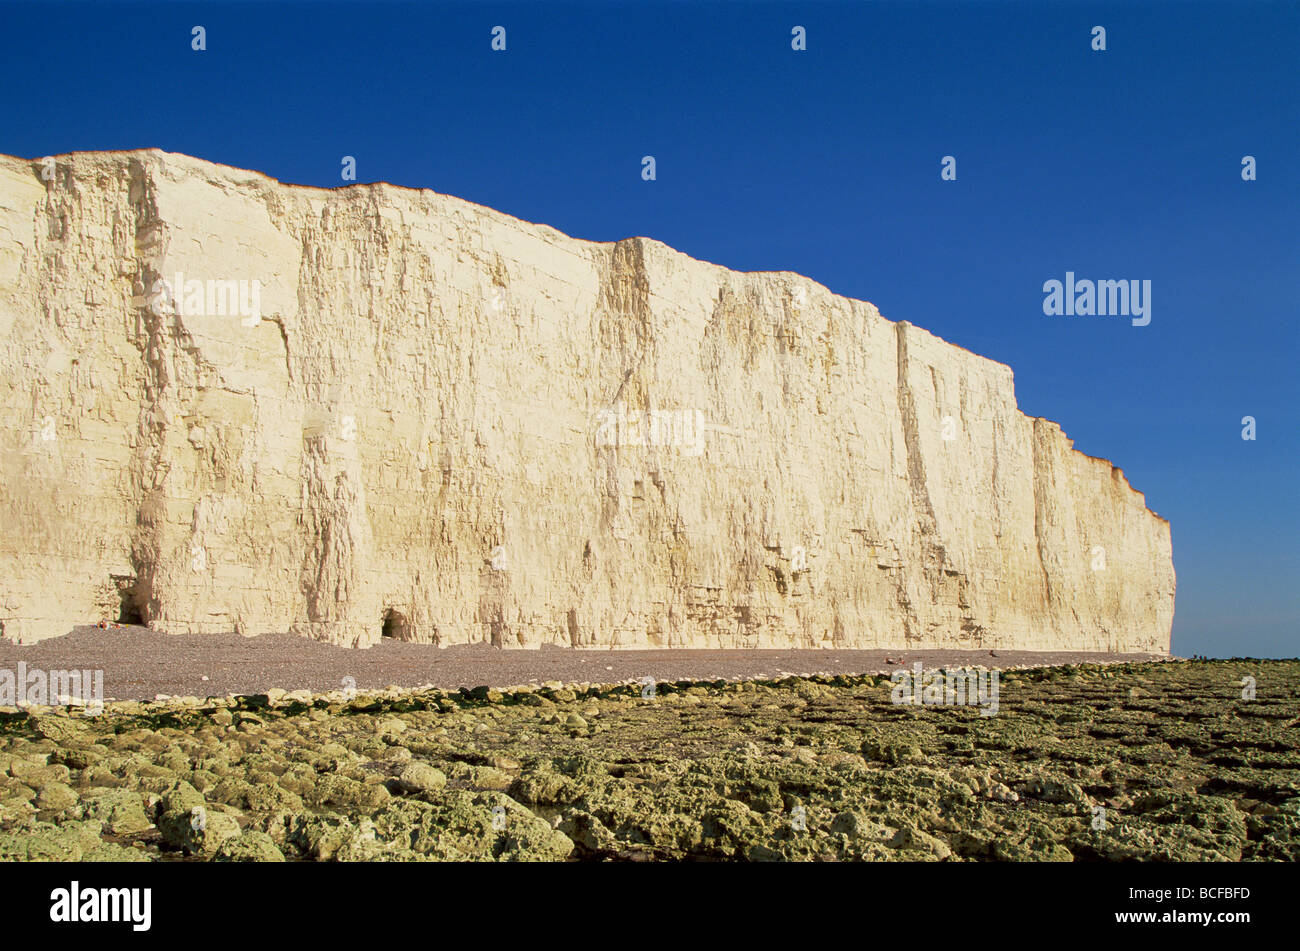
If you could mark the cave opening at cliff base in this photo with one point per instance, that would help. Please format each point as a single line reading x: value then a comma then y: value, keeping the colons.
x: 395, y: 626
x: 130, y: 609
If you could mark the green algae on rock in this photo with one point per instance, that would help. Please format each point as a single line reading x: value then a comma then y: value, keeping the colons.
x: 1147, y: 762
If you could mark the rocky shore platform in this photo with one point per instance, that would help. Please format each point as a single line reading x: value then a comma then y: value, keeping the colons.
x: 1178, y: 760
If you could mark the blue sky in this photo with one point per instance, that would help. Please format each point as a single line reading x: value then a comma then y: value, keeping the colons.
x: 1117, y: 164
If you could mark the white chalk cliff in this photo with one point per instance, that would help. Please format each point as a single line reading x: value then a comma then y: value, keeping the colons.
x: 424, y: 418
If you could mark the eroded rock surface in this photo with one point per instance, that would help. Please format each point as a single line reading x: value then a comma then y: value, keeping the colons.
x: 1158, y: 761
x: 233, y: 404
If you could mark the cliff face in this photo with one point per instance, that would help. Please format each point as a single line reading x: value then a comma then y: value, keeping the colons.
x: 235, y: 404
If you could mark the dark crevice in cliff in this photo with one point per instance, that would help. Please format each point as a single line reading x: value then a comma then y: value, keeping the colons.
x: 624, y: 336
x: 934, y: 557
x: 912, y: 438
x: 149, y: 470
x: 1041, y: 490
